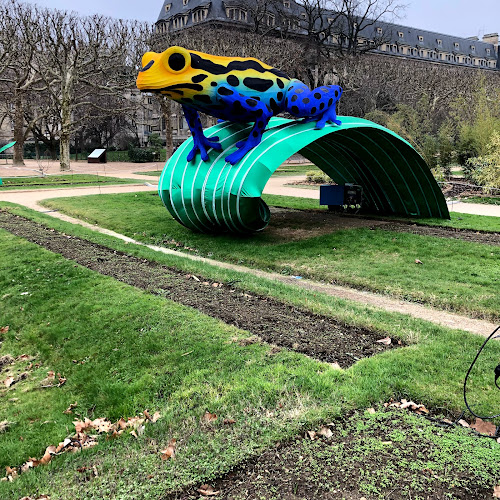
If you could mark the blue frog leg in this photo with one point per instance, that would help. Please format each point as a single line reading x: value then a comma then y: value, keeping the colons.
x: 318, y: 104
x: 240, y: 108
x: 201, y: 143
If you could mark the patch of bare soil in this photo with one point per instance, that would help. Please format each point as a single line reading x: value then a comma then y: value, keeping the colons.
x: 293, y: 225
x: 299, y: 224
x: 275, y: 322
x: 385, y: 456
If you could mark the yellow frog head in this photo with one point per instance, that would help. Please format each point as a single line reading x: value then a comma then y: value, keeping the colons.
x: 169, y: 72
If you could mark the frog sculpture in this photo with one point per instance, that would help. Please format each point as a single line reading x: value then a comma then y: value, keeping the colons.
x: 232, y: 88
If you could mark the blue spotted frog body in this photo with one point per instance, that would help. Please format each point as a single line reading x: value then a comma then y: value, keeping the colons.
x: 235, y: 89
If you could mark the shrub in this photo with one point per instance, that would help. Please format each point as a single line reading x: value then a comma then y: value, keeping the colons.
x: 485, y: 170
x: 317, y: 177
x: 141, y: 155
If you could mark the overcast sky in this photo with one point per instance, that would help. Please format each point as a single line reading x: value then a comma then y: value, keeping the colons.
x: 458, y: 17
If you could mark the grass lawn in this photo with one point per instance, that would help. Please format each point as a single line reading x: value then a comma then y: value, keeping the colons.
x: 377, y: 260
x: 123, y: 350
x: 300, y: 169
x: 66, y: 180
x: 487, y: 200
x: 152, y: 173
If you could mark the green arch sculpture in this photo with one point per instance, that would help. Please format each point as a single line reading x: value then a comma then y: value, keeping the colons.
x: 215, y: 196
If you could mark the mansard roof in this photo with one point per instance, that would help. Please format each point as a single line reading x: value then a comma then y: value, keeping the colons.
x: 392, y: 32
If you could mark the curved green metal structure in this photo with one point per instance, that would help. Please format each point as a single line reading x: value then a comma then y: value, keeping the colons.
x: 215, y: 196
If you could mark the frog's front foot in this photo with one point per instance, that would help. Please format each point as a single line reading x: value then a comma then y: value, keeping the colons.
x: 201, y: 145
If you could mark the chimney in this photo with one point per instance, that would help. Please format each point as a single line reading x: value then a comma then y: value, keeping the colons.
x: 492, y: 38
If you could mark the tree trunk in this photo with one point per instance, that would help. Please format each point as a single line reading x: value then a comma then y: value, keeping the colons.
x: 166, y: 109
x: 64, y: 139
x: 18, y: 129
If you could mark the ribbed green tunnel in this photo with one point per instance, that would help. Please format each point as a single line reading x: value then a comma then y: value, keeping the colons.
x: 215, y: 196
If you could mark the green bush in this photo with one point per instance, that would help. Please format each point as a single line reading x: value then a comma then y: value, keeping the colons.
x: 485, y: 170
x: 141, y: 155
x: 317, y: 177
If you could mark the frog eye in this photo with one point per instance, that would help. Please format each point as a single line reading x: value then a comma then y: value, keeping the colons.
x: 176, y: 59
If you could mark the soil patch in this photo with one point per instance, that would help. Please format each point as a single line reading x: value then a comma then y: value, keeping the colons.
x: 386, y: 455
x: 291, y: 224
x: 275, y: 322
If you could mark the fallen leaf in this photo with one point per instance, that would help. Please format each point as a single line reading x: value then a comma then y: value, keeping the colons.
x: 372, y: 411
x: 4, y: 329
x: 496, y: 491
x: 463, y: 423
x: 134, y: 434
x: 207, y: 491
x: 417, y: 261
x: 311, y: 435
x: 229, y: 421
x: 51, y: 375
x: 62, y: 381
x: 385, y: 341
x: 4, y: 425
x: 208, y: 417
x: 70, y: 408
x: 169, y: 451
x: 9, y: 381
x: 484, y: 427
x: 155, y: 417
x: 325, y: 432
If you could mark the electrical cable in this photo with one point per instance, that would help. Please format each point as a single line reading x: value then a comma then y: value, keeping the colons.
x: 497, y: 376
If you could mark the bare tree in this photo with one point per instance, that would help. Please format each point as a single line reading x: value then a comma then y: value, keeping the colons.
x: 19, y: 80
x: 82, y: 56
x: 356, y: 24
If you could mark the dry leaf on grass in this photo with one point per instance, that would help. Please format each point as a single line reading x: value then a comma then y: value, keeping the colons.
x: 70, y: 408
x: 325, y: 432
x: 385, y: 341
x: 417, y: 261
x: 207, y: 491
x: 9, y: 381
x: 4, y: 329
x: 484, y: 427
x: 229, y: 421
x: 371, y: 411
x: 4, y: 425
x: 463, y: 423
x: 496, y: 491
x: 169, y: 451
x: 311, y: 435
x: 208, y: 417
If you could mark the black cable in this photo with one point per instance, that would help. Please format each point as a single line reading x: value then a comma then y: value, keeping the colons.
x: 497, y: 375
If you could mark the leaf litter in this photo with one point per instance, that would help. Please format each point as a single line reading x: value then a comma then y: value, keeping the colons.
x: 87, y: 435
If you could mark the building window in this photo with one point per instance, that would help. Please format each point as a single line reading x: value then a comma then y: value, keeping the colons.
x: 286, y: 4
x: 270, y: 20
x: 456, y: 45
x: 199, y: 15
x: 236, y: 14
x: 401, y: 34
x: 473, y: 48
x: 440, y: 43
x: 379, y: 31
x: 304, y: 16
x: 167, y: 7
x: 488, y: 52
x: 420, y: 38
x: 185, y: 2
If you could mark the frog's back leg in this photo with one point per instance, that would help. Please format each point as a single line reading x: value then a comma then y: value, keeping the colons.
x: 318, y: 104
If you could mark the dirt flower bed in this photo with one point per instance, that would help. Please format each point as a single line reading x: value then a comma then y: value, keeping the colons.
x: 373, y: 454
x: 264, y: 318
